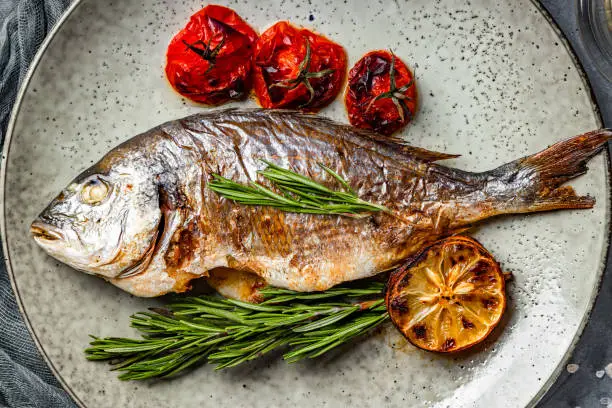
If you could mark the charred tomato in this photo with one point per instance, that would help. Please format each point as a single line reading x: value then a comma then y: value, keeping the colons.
x: 381, y: 94
x: 296, y: 68
x: 210, y: 60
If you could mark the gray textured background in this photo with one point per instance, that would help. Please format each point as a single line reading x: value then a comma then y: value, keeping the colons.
x: 25, y: 381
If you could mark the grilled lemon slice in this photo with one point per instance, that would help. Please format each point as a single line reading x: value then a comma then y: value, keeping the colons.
x: 449, y: 297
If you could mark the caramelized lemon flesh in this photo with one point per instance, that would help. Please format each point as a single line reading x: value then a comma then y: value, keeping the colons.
x: 449, y: 297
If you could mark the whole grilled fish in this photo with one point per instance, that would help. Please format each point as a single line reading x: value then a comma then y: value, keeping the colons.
x: 144, y: 219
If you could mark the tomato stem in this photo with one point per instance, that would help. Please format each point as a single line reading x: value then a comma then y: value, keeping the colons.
x: 303, y: 76
x: 396, y: 94
x: 207, y: 53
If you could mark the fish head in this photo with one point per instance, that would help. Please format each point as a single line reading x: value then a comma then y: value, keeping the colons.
x: 106, y: 221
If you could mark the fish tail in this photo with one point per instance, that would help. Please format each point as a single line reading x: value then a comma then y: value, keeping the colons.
x: 535, y: 183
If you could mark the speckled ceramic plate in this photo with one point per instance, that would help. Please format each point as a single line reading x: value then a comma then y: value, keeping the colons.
x: 497, y: 82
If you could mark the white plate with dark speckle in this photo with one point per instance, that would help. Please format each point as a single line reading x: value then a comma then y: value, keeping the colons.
x: 497, y: 82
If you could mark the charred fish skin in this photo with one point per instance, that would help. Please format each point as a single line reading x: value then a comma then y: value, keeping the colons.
x: 197, y: 231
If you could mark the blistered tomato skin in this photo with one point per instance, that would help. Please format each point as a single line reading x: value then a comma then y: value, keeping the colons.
x: 297, y: 69
x: 210, y: 60
x: 381, y: 93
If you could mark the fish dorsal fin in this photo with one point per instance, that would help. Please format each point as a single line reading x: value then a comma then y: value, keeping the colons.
x: 395, y: 146
x: 402, y: 147
x: 386, y: 145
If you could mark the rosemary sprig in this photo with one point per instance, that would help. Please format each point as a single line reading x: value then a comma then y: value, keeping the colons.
x: 298, y: 193
x: 304, y: 76
x: 397, y: 95
x: 193, y: 330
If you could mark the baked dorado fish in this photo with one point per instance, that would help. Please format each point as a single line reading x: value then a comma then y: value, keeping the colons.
x: 144, y: 219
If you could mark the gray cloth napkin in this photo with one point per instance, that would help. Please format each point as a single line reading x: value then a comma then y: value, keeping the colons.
x: 25, y: 380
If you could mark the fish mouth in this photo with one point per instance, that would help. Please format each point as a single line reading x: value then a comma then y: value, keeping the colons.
x: 45, y: 232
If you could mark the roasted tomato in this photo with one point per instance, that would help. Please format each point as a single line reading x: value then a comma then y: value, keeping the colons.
x: 210, y: 60
x: 381, y: 93
x: 296, y: 68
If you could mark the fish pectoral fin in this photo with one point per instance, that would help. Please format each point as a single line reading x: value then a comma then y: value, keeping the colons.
x: 136, y: 269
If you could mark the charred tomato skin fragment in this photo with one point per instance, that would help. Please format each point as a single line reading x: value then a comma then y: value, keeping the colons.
x: 381, y: 94
x: 295, y: 68
x: 210, y: 60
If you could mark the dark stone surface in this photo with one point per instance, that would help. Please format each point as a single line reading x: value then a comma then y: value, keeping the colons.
x: 591, y: 385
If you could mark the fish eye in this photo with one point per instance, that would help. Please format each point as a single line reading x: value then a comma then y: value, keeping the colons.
x: 94, y: 191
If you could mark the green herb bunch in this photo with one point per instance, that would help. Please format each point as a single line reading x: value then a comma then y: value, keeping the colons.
x: 210, y: 329
x: 298, y: 193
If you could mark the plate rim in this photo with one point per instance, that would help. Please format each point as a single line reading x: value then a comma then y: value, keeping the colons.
x: 16, y: 110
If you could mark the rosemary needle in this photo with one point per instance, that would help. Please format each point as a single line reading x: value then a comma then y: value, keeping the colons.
x: 194, y: 330
x: 296, y: 193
